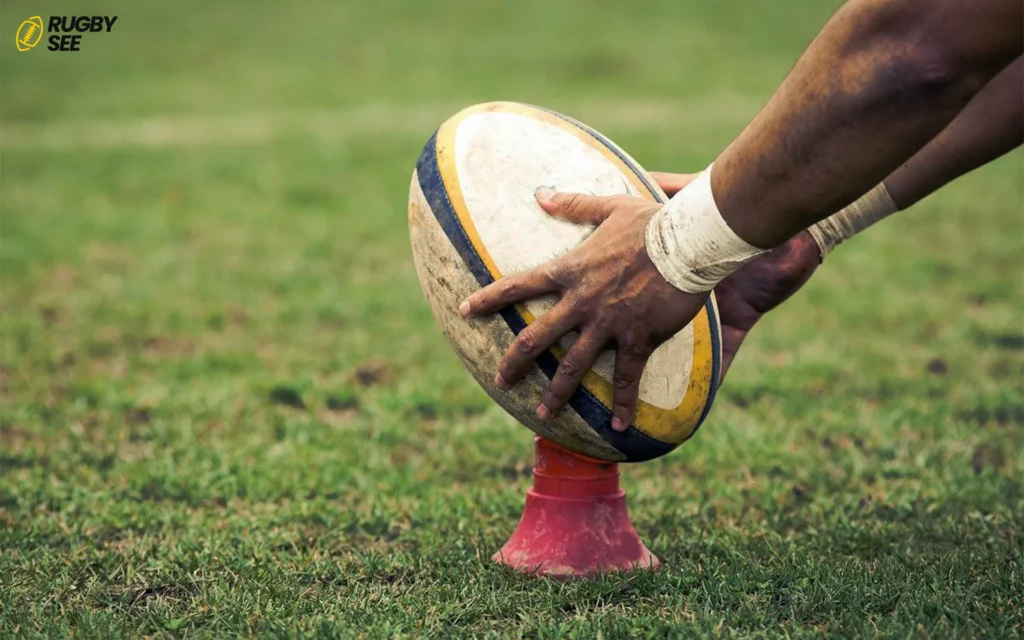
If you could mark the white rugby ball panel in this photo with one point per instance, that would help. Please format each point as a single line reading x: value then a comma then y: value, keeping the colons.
x: 477, y: 177
x: 498, y: 189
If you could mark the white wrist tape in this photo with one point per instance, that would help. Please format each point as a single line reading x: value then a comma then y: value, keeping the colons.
x: 872, y: 207
x: 689, y: 242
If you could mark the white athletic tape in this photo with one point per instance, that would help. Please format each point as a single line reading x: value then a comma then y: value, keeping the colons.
x: 872, y: 207
x: 689, y: 242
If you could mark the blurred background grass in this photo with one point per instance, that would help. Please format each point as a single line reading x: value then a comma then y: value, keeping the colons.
x: 226, y: 408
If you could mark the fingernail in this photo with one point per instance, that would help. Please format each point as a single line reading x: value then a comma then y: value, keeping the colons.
x: 543, y: 413
x: 464, y: 309
x: 544, y: 193
x: 617, y: 425
x: 500, y: 382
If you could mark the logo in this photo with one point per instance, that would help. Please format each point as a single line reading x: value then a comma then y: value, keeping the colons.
x: 66, y: 32
x: 30, y: 32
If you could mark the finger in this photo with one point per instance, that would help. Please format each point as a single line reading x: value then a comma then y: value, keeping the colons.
x: 672, y: 183
x: 511, y: 289
x: 531, y: 342
x: 629, y: 367
x: 578, y: 207
x: 577, y: 361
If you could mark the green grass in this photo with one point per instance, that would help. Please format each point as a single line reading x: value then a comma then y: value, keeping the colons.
x: 226, y: 409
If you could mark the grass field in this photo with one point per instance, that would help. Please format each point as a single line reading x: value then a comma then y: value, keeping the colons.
x: 226, y: 409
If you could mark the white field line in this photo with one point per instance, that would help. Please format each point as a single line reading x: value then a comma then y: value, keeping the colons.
x: 342, y: 124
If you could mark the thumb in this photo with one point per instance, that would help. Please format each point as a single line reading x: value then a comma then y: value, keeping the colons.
x: 672, y: 183
x: 576, y: 207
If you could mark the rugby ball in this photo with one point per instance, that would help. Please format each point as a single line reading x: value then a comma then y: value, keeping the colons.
x: 473, y: 218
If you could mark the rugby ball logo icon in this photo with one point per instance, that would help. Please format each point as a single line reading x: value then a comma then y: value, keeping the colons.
x: 30, y: 32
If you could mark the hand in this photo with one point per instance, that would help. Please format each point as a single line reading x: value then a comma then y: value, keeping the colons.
x: 610, y: 292
x: 757, y: 287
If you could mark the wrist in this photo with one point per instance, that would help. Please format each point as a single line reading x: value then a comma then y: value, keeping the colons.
x: 690, y: 243
x: 870, y: 208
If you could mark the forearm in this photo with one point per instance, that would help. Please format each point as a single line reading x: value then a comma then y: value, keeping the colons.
x: 991, y: 125
x: 879, y: 82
